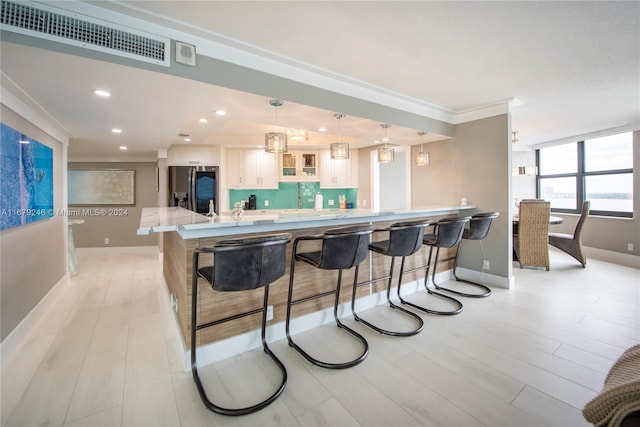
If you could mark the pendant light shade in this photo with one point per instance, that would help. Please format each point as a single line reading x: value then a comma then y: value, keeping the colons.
x: 297, y: 135
x: 386, y: 154
x: 339, y: 150
x: 422, y: 158
x: 275, y: 142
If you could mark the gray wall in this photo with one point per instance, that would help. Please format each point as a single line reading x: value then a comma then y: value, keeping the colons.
x: 120, y: 229
x: 474, y: 164
x: 29, y: 269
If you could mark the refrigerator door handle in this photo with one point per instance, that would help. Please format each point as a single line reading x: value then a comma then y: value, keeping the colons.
x: 192, y: 190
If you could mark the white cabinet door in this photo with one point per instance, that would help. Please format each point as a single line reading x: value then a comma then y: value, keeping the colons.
x: 193, y: 155
x: 251, y: 169
x: 234, y: 168
x: 339, y: 173
x: 260, y: 169
x: 299, y: 166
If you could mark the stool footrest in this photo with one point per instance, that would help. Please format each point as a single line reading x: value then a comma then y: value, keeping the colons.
x: 312, y: 297
x: 228, y: 319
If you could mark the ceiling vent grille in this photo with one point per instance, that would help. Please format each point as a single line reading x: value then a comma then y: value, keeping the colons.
x: 45, y: 23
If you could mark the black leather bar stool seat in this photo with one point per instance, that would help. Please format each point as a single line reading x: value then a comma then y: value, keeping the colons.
x: 239, y: 265
x: 342, y: 248
x: 405, y: 238
x: 478, y: 229
x: 447, y: 233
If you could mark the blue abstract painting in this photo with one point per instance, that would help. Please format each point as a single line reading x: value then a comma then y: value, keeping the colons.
x: 26, y: 167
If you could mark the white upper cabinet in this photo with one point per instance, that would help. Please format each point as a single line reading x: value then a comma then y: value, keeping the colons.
x: 299, y: 166
x: 194, y: 155
x: 249, y: 168
x: 339, y: 173
x: 234, y: 168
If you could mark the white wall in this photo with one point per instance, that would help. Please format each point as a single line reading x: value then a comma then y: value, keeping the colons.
x: 523, y: 186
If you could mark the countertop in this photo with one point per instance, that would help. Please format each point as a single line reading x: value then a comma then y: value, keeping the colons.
x: 192, y: 225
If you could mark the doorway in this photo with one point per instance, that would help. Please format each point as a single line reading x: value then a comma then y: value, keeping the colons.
x: 391, y: 182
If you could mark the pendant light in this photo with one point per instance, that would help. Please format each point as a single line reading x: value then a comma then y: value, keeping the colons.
x: 275, y: 142
x: 422, y: 158
x: 386, y: 154
x: 296, y: 135
x: 339, y: 150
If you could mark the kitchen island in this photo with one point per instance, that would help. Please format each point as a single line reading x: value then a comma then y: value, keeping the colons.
x: 184, y: 230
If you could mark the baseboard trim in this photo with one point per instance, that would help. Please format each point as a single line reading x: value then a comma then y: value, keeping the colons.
x: 19, y: 334
x: 484, y: 278
x: 613, y: 257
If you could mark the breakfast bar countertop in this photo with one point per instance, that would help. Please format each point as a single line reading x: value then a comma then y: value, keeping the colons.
x: 191, y: 225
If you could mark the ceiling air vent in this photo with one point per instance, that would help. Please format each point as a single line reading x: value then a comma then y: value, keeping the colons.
x: 45, y: 22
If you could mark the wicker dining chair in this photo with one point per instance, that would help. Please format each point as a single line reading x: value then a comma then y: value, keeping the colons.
x: 531, y: 244
x: 572, y: 243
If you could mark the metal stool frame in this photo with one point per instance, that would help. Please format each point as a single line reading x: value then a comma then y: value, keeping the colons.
x: 479, y: 227
x: 405, y: 238
x: 447, y: 233
x: 231, y: 247
x: 332, y: 256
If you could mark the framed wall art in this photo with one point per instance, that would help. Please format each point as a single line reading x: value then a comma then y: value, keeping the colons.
x: 99, y: 187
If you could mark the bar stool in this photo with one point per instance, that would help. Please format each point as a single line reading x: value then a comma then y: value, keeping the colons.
x: 342, y: 248
x: 446, y: 234
x: 405, y: 238
x: 239, y: 265
x: 478, y: 229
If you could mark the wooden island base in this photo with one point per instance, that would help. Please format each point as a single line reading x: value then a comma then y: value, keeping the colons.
x: 213, y: 305
x: 184, y: 231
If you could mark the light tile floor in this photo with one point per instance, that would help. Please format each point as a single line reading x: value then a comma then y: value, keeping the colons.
x: 534, y: 355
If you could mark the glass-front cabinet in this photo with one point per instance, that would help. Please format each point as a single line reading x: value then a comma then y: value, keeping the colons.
x: 299, y: 166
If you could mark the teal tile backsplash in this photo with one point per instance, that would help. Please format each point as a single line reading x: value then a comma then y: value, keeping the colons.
x: 286, y: 196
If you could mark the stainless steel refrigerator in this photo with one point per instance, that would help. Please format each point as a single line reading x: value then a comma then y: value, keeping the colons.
x: 191, y: 187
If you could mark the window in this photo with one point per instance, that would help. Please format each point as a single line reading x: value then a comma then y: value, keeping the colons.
x: 599, y: 170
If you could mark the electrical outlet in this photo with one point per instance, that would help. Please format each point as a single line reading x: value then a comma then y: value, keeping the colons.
x: 106, y: 240
x: 358, y: 203
x: 330, y: 202
x: 270, y: 312
x: 364, y: 203
x: 630, y: 247
x: 266, y: 203
x: 486, y: 265
x: 175, y: 305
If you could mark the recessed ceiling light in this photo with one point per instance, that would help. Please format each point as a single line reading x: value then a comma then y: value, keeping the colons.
x: 221, y: 113
x: 116, y: 130
x: 122, y: 147
x: 187, y: 140
x: 322, y: 129
x: 102, y: 93
x: 203, y: 120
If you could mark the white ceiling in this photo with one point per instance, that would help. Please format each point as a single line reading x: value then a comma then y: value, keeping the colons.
x: 572, y: 68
